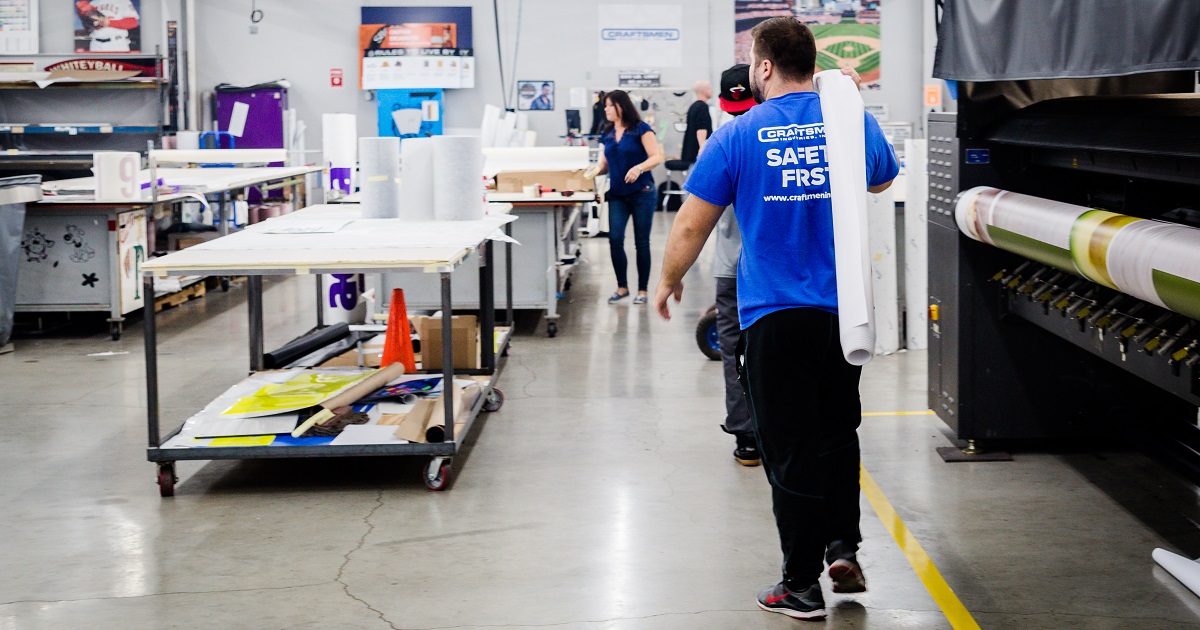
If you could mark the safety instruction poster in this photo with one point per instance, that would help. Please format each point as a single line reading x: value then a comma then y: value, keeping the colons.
x: 847, y: 33
x: 416, y: 47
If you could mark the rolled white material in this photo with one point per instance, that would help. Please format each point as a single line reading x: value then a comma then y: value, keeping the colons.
x: 842, y: 110
x: 218, y: 156
x: 416, y: 181
x: 885, y: 280
x: 339, y: 142
x: 916, y: 245
x: 504, y: 132
x: 187, y: 140
x: 1183, y: 569
x: 117, y: 175
x: 457, y: 178
x: 379, y: 172
x: 491, y: 121
x: 341, y: 299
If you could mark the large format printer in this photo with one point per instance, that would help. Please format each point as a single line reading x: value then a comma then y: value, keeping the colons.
x: 1033, y: 338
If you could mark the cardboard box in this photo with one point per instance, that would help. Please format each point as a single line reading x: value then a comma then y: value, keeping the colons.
x: 183, y: 240
x: 465, y: 331
x: 515, y: 181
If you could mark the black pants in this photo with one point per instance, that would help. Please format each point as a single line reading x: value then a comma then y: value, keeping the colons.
x: 737, y: 415
x: 805, y: 408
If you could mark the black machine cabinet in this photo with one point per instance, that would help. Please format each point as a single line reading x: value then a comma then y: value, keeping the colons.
x: 1019, y: 351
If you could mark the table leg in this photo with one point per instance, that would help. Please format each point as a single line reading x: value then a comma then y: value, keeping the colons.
x: 254, y: 305
x: 151, y: 346
x: 320, y: 302
x: 447, y: 358
x: 487, y: 309
x: 508, y: 275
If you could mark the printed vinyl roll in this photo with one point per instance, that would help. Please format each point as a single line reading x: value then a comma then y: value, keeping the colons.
x: 379, y: 171
x: 842, y: 110
x: 339, y: 142
x: 457, y: 178
x: 117, y: 175
x: 416, y: 181
x: 1152, y: 260
x: 1185, y: 570
x: 916, y: 244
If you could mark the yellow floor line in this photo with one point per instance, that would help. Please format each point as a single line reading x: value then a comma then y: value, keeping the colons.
x: 898, y: 413
x: 957, y: 614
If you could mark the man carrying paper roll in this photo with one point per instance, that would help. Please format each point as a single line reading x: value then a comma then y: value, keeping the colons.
x: 771, y: 165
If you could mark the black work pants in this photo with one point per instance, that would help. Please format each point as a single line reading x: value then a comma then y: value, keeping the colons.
x: 737, y: 416
x: 805, y: 407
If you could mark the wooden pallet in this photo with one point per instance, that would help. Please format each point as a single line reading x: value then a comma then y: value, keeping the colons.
x: 188, y: 293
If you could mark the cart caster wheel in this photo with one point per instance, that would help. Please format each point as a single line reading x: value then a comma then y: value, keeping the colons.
x: 552, y: 330
x: 225, y: 284
x: 115, y: 330
x: 708, y: 337
x: 166, y: 480
x: 437, y: 474
x: 495, y: 400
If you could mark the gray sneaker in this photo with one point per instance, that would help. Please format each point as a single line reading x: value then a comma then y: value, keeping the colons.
x: 808, y: 604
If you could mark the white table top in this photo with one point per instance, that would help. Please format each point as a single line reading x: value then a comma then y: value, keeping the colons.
x: 331, y: 239
x: 199, y: 180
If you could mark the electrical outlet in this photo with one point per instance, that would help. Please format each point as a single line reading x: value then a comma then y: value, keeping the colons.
x: 254, y: 29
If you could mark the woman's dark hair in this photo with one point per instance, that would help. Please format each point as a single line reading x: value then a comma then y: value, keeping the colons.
x: 629, y: 113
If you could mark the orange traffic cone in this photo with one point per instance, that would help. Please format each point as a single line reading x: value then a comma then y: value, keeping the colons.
x: 397, y: 345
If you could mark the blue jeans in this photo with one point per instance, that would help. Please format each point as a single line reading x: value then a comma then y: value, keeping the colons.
x: 640, y: 205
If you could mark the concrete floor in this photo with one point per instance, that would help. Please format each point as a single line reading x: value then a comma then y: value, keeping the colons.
x: 603, y: 495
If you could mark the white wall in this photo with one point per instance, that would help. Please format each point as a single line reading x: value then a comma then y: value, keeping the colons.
x: 301, y: 40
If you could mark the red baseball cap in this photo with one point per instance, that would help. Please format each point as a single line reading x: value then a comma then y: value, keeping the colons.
x: 735, y: 90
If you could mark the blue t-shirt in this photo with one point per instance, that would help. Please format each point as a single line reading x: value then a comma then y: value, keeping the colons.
x: 624, y: 155
x: 770, y: 164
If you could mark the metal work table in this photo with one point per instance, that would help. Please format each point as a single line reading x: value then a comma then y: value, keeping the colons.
x: 363, y: 246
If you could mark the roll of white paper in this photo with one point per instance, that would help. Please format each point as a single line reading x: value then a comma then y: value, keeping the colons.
x: 1184, y: 569
x: 187, y: 140
x: 339, y: 142
x: 504, y: 132
x: 916, y: 248
x: 842, y: 110
x: 379, y: 173
x: 491, y: 120
x: 117, y: 175
x: 416, y: 180
x: 457, y: 178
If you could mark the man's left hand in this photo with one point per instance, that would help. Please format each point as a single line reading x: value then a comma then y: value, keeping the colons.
x: 850, y: 72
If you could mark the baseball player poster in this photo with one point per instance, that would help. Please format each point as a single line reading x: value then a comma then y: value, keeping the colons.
x: 108, y: 26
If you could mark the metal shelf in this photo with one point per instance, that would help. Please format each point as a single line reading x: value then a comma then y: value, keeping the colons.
x: 72, y: 130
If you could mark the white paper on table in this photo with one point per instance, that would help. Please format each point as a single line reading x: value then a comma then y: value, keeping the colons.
x: 360, y: 434
x: 369, y: 233
x: 843, y: 113
x: 229, y: 427
x: 319, y: 226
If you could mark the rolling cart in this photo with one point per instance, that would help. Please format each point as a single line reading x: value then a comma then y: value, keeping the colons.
x: 360, y: 246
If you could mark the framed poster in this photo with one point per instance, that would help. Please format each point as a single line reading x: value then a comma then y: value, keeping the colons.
x: 416, y: 47
x: 536, y: 96
x: 108, y: 26
x: 847, y: 33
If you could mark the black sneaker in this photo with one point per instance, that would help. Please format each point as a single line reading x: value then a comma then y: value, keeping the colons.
x: 847, y: 576
x: 746, y: 452
x: 807, y: 604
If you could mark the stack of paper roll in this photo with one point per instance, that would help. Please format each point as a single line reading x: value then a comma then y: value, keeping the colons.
x: 487, y: 129
x: 416, y: 181
x: 339, y: 141
x: 441, y: 179
x: 117, y: 175
x: 379, y: 174
x: 842, y: 110
x: 1152, y: 260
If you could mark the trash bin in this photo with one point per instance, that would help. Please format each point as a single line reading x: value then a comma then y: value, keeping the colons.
x: 15, y: 192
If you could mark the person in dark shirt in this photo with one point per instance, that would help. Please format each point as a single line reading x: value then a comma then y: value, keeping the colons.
x: 699, y: 123
x: 630, y: 152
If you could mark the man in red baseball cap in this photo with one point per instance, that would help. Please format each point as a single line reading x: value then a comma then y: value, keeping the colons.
x: 735, y: 100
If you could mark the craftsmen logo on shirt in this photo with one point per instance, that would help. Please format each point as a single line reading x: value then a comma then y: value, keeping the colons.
x: 791, y: 132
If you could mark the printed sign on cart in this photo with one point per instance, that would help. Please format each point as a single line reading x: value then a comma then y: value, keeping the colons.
x: 630, y: 34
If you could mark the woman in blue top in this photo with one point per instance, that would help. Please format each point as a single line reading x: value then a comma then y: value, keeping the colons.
x: 630, y: 151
